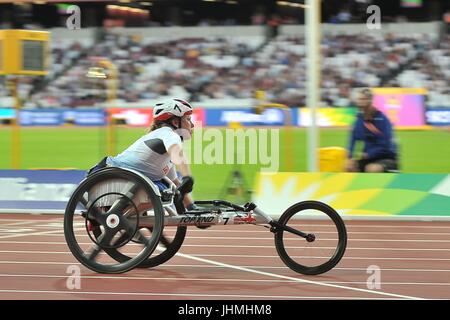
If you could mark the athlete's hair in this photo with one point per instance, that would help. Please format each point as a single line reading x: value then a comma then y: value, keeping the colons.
x: 367, y: 93
x: 156, y: 124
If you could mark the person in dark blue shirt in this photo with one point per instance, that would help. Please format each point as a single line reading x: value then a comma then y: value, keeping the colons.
x: 375, y: 130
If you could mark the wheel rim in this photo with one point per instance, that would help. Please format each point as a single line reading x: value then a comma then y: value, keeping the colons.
x: 90, y: 253
x: 325, y: 244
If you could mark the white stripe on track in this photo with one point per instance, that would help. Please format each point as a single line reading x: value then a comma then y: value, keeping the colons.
x: 215, y: 231
x: 245, y: 256
x: 139, y: 278
x: 40, y: 233
x: 52, y: 233
x: 218, y: 266
x: 238, y: 246
x: 273, y: 275
x: 162, y: 294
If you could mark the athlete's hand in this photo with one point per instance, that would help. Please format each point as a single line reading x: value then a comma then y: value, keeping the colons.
x: 187, y: 178
x: 351, y: 165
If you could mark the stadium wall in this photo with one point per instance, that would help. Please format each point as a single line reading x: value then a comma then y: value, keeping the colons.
x: 165, y: 33
x: 326, y: 117
x: 353, y: 195
x: 63, y: 34
x: 430, y: 28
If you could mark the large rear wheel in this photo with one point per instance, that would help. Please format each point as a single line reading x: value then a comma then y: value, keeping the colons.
x: 99, y: 222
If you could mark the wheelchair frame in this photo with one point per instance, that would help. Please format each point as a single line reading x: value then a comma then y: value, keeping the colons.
x: 115, y: 218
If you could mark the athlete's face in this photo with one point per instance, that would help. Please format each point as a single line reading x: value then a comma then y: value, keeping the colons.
x: 186, y: 126
x: 186, y: 123
x: 363, y: 101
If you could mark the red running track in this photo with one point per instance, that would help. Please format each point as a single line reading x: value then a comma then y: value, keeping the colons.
x: 232, y: 262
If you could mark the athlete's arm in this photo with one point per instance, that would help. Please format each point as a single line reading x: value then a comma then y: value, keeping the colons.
x: 179, y: 159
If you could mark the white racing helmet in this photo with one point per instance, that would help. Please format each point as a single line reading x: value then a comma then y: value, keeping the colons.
x: 171, y: 108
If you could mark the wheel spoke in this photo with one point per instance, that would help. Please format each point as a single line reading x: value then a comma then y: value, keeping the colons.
x: 94, y: 212
x: 126, y: 225
x: 124, y: 236
x: 141, y: 237
x: 93, y: 252
x: 105, y: 239
x: 84, y: 201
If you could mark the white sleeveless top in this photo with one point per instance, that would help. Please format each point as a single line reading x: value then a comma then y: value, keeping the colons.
x: 148, y: 154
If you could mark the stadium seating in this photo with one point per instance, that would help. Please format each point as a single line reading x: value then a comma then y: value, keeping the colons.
x: 211, y: 67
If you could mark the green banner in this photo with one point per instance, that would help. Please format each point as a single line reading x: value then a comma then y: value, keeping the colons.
x: 357, y: 194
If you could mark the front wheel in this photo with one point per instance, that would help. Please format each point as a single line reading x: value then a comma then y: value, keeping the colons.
x: 324, y: 245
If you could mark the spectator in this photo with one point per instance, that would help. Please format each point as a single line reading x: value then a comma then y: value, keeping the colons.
x: 375, y: 130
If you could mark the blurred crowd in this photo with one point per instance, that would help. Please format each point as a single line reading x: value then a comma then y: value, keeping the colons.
x: 199, y: 69
x: 431, y: 70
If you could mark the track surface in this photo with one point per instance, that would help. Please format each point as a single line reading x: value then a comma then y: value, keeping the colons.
x: 232, y: 262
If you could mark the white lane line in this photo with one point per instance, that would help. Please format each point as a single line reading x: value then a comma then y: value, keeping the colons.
x: 163, y: 294
x: 138, y: 278
x: 348, y: 248
x: 273, y: 275
x: 51, y: 233
x: 20, y: 220
x: 352, y: 239
x: 236, y: 246
x: 245, y: 256
x: 335, y: 268
x: 30, y: 234
x: 36, y: 262
x: 287, y: 239
x: 40, y: 233
x: 31, y: 219
x: 219, y: 266
x: 296, y: 239
x: 315, y: 257
x: 321, y: 239
x: 7, y: 225
x: 37, y: 227
x: 266, y: 232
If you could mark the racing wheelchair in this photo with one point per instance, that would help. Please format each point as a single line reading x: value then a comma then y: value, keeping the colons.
x: 122, y: 213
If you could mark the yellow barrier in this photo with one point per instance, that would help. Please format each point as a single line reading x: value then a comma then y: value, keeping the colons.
x: 332, y: 159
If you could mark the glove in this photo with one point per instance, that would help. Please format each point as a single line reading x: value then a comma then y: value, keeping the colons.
x: 186, y: 185
x: 187, y: 178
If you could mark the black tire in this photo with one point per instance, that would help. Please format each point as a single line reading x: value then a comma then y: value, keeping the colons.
x: 172, y: 247
x: 330, y: 219
x: 78, y: 200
